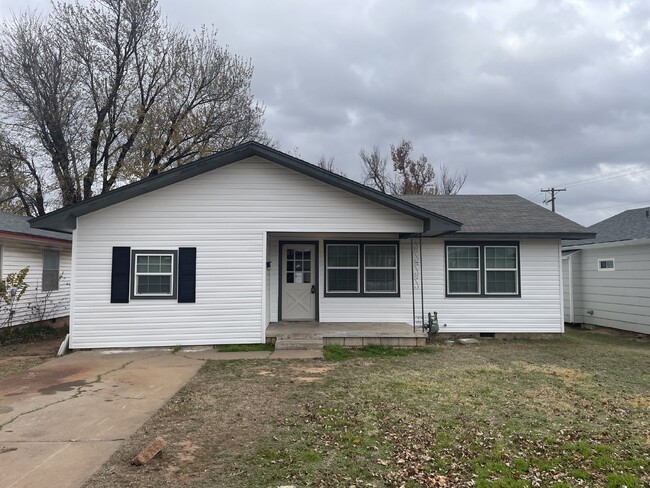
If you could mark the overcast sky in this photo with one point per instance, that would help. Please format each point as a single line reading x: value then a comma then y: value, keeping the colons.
x: 521, y: 94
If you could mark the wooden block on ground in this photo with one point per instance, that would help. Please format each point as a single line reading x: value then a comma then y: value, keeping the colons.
x: 149, y: 452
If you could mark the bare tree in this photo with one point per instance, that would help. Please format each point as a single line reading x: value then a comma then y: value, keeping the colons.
x: 100, y: 94
x: 375, y: 171
x: 328, y: 164
x: 408, y: 176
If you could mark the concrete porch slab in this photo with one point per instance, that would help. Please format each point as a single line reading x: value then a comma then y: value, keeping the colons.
x: 349, y: 334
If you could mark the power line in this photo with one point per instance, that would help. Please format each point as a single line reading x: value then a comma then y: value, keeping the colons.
x: 639, y: 168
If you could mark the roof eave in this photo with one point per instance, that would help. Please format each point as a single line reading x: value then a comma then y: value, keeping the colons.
x: 525, y: 235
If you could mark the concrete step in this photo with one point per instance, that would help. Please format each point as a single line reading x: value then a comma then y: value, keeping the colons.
x: 298, y: 344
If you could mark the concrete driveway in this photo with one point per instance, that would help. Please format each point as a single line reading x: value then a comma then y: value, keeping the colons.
x: 61, y: 420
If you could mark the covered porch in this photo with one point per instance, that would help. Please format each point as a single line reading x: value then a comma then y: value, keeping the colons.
x: 310, y: 335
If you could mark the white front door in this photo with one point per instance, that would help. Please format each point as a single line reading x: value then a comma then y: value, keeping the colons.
x: 298, y: 282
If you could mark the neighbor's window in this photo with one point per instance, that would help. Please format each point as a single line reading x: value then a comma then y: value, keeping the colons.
x: 605, y: 265
x: 343, y: 268
x: 362, y: 268
x: 501, y: 270
x: 463, y: 270
x: 380, y: 270
x: 483, y: 269
x: 153, y: 274
x: 50, y: 280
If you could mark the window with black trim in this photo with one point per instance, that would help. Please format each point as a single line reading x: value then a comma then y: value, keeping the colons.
x: 50, y: 279
x: 153, y: 274
x: 362, y: 269
x: 483, y: 269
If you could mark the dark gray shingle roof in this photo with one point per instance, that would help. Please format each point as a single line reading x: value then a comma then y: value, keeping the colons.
x: 500, y: 215
x: 17, y: 224
x: 628, y: 225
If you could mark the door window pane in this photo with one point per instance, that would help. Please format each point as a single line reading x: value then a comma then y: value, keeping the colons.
x: 298, y: 263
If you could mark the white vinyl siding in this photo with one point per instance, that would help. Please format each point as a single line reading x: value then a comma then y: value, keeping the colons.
x: 18, y: 253
x: 226, y: 214
x: 539, y: 309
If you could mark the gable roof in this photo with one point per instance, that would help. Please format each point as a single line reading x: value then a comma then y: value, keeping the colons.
x: 500, y: 216
x: 17, y: 226
x: 65, y: 218
x: 629, y: 225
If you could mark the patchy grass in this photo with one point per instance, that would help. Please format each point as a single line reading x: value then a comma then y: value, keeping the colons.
x: 333, y: 352
x: 566, y: 412
x: 246, y: 347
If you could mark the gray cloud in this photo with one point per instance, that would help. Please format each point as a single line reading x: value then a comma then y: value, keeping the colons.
x: 522, y: 94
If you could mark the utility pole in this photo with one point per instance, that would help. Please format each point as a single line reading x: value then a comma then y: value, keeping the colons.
x: 552, y: 191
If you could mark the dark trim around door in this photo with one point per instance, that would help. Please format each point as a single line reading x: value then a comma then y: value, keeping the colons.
x: 316, y: 245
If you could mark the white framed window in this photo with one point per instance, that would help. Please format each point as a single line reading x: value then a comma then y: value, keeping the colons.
x: 463, y: 270
x: 50, y: 278
x: 501, y: 270
x: 606, y: 264
x: 343, y: 268
x: 380, y: 268
x: 154, y: 274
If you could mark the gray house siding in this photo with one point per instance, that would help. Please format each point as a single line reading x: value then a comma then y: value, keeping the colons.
x: 617, y: 298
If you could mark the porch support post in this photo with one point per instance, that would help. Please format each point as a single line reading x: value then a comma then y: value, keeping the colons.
x: 421, y: 284
x: 413, y: 281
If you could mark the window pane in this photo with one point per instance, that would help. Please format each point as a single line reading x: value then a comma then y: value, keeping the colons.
x: 306, y: 277
x: 500, y: 257
x: 462, y: 257
x: 343, y: 280
x: 463, y: 282
x: 154, y: 285
x: 289, y: 265
x: 289, y: 253
x: 50, y: 276
x: 51, y: 260
x: 289, y: 277
x: 501, y: 282
x: 381, y: 256
x: 166, y: 264
x: 381, y: 280
x: 342, y: 255
x: 307, y: 265
x: 50, y: 280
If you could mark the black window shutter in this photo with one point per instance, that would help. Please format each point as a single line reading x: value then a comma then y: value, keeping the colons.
x: 187, y: 275
x: 120, y: 275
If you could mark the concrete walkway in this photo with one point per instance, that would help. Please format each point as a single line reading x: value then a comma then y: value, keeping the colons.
x: 61, y: 420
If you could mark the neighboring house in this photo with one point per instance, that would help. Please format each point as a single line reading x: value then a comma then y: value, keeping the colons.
x: 214, y: 251
x: 607, y: 278
x: 48, y: 256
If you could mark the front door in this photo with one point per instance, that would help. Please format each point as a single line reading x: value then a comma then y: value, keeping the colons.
x: 298, y: 282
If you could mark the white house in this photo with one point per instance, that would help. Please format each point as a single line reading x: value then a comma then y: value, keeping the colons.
x: 48, y: 255
x: 607, y: 278
x: 216, y: 250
